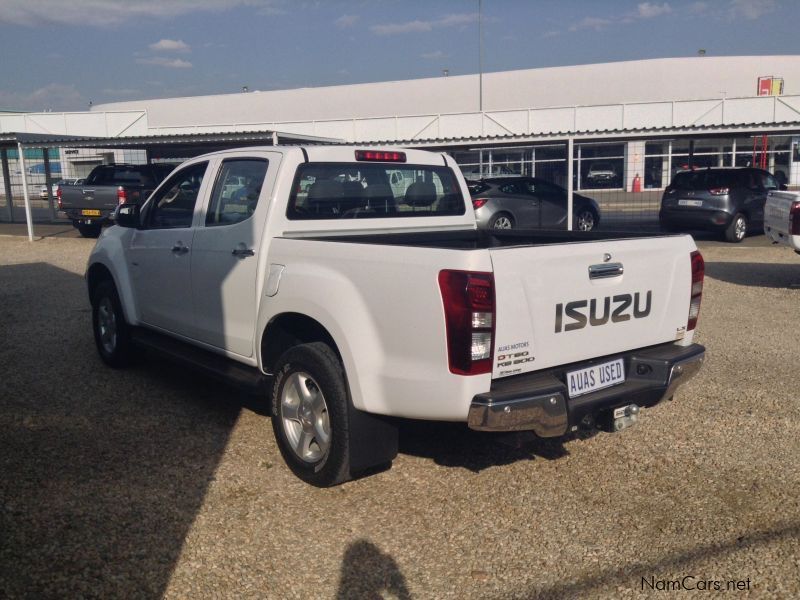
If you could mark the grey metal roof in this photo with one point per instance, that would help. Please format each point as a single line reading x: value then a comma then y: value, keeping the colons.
x: 46, y: 140
x: 745, y: 128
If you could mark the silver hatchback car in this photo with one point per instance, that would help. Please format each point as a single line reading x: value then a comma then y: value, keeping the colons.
x: 529, y: 203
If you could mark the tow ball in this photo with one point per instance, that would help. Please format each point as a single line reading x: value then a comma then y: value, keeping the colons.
x: 624, y: 417
x: 618, y: 419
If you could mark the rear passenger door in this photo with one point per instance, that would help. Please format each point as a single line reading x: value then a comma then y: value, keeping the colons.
x: 227, y: 251
x: 552, y: 203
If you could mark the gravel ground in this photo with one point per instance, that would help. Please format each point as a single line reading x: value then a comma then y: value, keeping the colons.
x: 154, y: 482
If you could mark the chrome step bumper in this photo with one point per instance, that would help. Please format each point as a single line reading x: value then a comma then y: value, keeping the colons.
x: 539, y: 402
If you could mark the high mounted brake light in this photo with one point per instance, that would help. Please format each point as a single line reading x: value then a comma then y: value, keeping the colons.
x: 380, y: 156
x: 794, y: 218
x: 696, y: 295
x: 469, y: 312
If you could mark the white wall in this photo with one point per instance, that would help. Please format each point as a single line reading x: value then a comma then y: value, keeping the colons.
x: 634, y: 81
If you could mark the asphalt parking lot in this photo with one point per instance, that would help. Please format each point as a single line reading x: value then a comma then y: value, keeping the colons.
x: 155, y: 482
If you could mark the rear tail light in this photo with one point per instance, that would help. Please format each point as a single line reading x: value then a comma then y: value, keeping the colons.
x: 794, y: 218
x: 698, y: 272
x: 469, y: 312
x: 718, y: 191
x: 122, y: 195
x: 478, y: 202
x: 58, y: 197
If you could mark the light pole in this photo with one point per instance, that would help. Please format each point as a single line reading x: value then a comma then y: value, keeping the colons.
x: 480, y: 57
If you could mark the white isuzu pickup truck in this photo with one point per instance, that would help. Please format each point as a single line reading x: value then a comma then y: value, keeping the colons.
x: 782, y: 219
x: 352, y: 286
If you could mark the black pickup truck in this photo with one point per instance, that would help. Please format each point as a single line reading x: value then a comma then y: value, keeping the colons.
x: 90, y: 205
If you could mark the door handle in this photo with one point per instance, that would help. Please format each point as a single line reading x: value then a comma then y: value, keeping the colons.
x: 179, y: 248
x: 605, y: 270
x: 241, y: 252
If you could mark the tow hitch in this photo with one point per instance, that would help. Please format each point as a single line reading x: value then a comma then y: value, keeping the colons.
x: 619, y: 418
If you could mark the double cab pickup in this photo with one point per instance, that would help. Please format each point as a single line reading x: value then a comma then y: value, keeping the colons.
x: 350, y: 287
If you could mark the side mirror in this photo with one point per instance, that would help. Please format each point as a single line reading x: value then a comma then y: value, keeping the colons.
x: 127, y: 215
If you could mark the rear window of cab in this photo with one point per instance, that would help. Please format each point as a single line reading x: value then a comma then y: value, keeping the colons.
x: 325, y: 191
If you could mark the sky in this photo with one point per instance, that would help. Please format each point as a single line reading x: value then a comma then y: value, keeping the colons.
x: 62, y: 55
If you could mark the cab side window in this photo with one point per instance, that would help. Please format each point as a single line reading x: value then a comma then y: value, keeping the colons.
x: 236, y: 191
x: 172, y: 206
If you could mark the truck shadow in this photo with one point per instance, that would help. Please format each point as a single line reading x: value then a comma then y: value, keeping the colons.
x: 769, y: 275
x: 642, y: 578
x: 455, y: 445
x: 103, y: 471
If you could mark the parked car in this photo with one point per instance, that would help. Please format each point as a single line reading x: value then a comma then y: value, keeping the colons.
x: 601, y: 174
x: 346, y: 305
x: 529, y: 203
x: 91, y: 204
x: 475, y: 172
x: 728, y: 200
x: 782, y: 219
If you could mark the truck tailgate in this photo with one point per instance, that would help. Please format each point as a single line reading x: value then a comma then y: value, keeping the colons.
x: 90, y: 197
x: 777, y: 215
x: 565, y: 303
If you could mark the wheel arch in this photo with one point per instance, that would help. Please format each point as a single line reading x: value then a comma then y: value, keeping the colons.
x: 290, y: 329
x: 96, y: 274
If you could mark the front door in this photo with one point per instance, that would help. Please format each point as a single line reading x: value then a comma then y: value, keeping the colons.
x: 160, y: 252
x: 226, y: 251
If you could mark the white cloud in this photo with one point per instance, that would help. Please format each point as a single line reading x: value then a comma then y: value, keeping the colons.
x: 697, y: 8
x: 595, y: 23
x: 751, y: 9
x: 648, y: 10
x: 417, y: 26
x: 437, y: 54
x: 98, y: 13
x: 170, y: 46
x: 644, y: 11
x: 162, y: 61
x: 551, y: 34
x: 55, y: 96
x: 346, y: 21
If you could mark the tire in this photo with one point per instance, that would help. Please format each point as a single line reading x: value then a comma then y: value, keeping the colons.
x: 89, y: 231
x: 501, y: 220
x: 737, y: 230
x: 310, y: 414
x: 586, y: 220
x: 111, y: 332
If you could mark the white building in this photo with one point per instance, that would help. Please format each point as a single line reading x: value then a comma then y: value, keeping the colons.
x: 643, y: 118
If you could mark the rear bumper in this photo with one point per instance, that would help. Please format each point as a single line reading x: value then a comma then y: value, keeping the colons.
x: 695, y: 218
x: 75, y: 214
x: 540, y: 402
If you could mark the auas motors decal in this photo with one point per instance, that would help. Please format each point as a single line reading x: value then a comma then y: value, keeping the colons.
x: 616, y: 309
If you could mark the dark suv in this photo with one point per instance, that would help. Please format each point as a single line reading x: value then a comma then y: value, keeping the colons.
x: 728, y: 200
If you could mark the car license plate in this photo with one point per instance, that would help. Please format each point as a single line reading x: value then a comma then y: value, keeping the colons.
x: 596, y: 377
x: 90, y: 213
x: 690, y: 203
